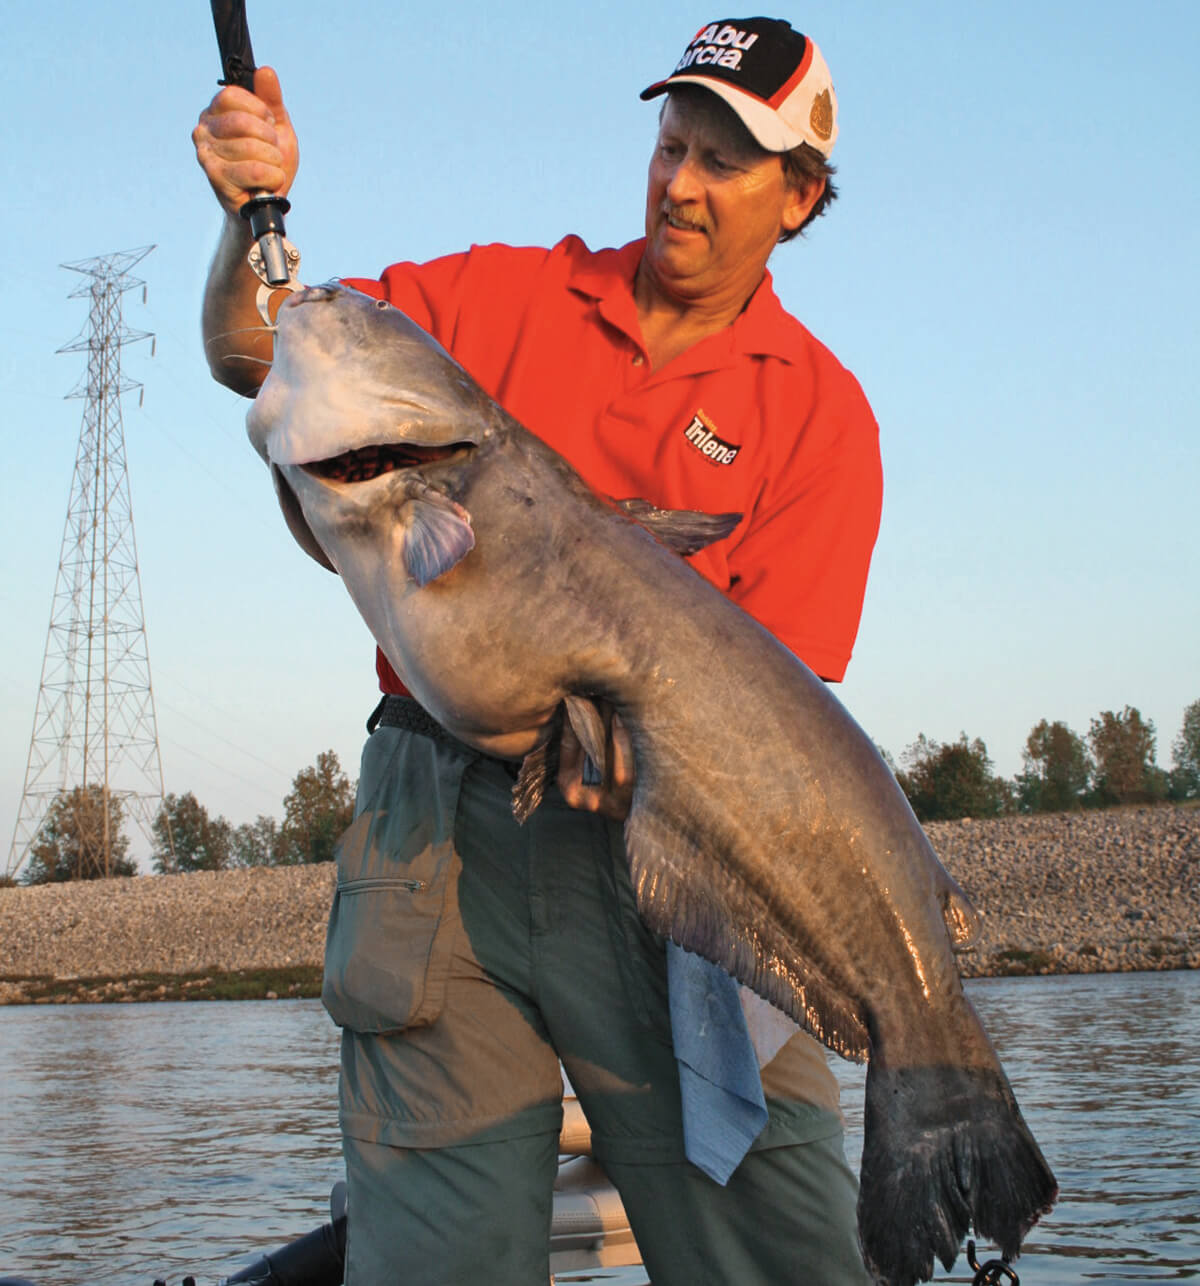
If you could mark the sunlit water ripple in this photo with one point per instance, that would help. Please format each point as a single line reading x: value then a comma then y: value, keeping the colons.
x: 143, y: 1141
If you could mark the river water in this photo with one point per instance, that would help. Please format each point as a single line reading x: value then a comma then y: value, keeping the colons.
x: 144, y: 1141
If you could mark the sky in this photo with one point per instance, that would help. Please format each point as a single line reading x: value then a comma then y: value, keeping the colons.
x: 1012, y: 271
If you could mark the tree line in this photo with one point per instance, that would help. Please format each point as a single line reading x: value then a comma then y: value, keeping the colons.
x: 186, y: 837
x: 1113, y: 764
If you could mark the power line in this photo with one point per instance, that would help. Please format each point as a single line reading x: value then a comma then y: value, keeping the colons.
x: 95, y: 738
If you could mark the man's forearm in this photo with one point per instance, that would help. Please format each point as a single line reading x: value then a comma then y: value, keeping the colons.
x: 236, y: 342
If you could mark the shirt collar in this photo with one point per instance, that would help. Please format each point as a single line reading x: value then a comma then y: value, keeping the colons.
x: 762, y: 328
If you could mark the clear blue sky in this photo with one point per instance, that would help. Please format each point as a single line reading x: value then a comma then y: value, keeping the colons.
x: 1011, y: 271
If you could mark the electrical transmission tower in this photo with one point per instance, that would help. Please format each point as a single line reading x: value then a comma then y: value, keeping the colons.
x: 95, y: 740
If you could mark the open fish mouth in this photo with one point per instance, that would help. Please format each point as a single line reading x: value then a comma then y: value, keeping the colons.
x: 364, y: 463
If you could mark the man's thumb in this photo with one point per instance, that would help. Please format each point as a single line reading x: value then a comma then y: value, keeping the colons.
x: 266, y: 87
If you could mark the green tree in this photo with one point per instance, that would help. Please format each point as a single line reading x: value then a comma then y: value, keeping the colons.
x: 951, y: 780
x: 1185, y: 750
x: 81, y: 838
x: 1123, y: 748
x: 318, y: 810
x: 1057, y: 771
x: 257, y: 843
x: 187, y: 839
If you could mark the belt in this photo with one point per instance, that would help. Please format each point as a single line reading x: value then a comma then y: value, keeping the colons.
x: 396, y: 711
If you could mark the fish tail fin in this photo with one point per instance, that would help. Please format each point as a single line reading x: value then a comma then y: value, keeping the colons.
x: 944, y: 1148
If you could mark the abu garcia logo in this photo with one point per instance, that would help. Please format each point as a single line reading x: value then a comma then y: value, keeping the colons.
x: 721, y: 46
x: 700, y: 435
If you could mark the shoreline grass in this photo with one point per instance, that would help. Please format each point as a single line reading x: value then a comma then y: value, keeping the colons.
x: 298, y: 982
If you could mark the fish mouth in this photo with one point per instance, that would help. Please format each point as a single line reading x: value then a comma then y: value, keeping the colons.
x: 364, y: 463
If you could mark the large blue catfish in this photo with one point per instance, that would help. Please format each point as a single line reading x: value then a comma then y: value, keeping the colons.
x: 766, y: 834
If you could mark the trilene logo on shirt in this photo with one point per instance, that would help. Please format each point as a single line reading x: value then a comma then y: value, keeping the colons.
x: 701, y: 434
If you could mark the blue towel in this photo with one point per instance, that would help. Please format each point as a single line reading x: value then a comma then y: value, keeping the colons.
x: 723, y: 1106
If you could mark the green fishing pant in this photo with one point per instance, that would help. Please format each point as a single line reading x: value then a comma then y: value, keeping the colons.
x: 466, y: 956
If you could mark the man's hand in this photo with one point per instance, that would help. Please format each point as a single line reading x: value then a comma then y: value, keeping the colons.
x: 614, y: 796
x: 245, y: 142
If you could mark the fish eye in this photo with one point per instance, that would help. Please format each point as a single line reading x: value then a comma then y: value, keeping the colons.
x: 382, y: 303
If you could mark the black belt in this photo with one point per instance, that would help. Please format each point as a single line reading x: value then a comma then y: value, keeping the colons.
x: 395, y: 711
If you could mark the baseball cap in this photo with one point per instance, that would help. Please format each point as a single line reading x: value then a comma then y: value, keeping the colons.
x: 774, y: 78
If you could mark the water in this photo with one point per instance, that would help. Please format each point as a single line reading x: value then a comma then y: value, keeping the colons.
x: 155, y: 1140
x: 1107, y: 1071
x: 152, y: 1140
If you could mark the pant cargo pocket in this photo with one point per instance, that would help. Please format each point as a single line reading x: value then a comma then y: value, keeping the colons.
x: 394, y: 918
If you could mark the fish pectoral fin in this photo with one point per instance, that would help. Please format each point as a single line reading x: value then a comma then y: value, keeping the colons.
x: 438, y: 535
x: 588, y: 725
x: 686, y: 895
x: 686, y: 531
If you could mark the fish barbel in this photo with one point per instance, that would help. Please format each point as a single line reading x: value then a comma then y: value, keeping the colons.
x: 765, y: 834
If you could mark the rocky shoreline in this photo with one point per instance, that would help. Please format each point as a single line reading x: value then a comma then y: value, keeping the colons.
x: 1095, y: 892
x: 1111, y: 891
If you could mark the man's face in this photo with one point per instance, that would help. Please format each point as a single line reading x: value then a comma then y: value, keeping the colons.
x: 715, y: 202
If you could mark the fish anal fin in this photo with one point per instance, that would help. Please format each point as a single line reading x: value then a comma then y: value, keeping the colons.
x: 437, y: 536
x: 686, y: 531
x: 679, y: 892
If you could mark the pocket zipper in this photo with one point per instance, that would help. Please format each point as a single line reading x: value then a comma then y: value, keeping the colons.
x: 382, y: 881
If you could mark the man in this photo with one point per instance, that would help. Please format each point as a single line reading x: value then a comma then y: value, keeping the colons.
x: 467, y: 956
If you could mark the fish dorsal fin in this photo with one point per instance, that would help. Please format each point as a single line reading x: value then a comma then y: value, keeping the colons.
x: 685, y: 895
x: 437, y: 535
x: 686, y: 531
x: 588, y: 725
x: 963, y: 922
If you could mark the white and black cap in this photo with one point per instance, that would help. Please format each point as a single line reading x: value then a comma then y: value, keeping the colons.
x: 774, y: 78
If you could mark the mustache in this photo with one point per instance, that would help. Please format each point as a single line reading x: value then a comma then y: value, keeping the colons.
x: 684, y: 217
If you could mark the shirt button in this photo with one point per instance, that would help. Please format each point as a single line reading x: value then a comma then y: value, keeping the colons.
x: 638, y: 359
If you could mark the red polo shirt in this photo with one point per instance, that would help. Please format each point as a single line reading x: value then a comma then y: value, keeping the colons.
x: 759, y: 419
